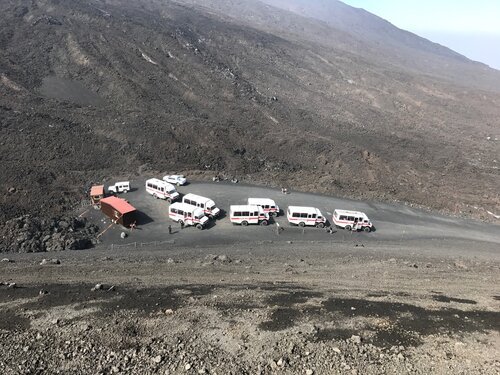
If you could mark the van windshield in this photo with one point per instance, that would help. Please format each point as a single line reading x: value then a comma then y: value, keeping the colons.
x: 171, y: 191
x: 200, y: 215
x: 210, y: 206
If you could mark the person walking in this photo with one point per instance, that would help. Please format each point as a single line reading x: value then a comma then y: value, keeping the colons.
x: 182, y: 225
x: 169, y: 229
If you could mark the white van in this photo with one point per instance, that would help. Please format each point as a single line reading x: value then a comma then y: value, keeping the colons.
x: 303, y: 216
x: 246, y: 214
x: 120, y: 187
x: 161, y: 190
x: 188, y: 215
x: 206, y: 204
x: 352, y: 220
x: 268, y: 205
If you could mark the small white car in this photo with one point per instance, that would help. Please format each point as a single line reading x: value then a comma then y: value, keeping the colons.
x: 120, y: 187
x: 176, y: 179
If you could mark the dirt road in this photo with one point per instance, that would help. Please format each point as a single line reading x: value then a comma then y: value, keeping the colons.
x: 394, y: 223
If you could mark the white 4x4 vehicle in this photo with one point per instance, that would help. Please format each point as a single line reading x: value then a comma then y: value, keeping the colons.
x: 120, y: 187
x: 176, y: 179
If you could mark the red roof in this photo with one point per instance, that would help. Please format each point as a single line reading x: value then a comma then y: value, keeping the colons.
x: 97, y: 190
x: 120, y: 205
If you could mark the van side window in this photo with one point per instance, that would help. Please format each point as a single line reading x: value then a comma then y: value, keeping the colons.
x: 256, y: 213
x: 202, y: 205
x: 245, y: 213
x: 296, y: 214
x: 237, y: 213
x: 303, y: 215
x: 313, y: 216
x: 173, y: 210
x: 342, y: 217
x: 266, y: 206
x: 180, y: 212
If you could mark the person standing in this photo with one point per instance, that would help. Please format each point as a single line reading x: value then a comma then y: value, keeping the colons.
x: 169, y: 229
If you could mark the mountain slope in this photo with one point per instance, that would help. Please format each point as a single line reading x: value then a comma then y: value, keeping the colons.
x: 102, y: 89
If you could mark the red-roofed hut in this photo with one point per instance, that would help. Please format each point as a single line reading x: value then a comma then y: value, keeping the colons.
x: 96, y: 193
x: 119, y: 210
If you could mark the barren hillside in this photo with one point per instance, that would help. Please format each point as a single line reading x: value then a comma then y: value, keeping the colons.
x: 91, y: 90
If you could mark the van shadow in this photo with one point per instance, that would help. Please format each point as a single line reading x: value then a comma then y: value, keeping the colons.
x: 211, y: 224
x: 222, y: 214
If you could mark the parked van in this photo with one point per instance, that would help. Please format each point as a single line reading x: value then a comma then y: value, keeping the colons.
x: 248, y: 214
x: 161, y: 190
x: 206, y: 204
x: 268, y: 205
x: 187, y: 215
x: 120, y: 187
x: 303, y: 216
x: 352, y: 220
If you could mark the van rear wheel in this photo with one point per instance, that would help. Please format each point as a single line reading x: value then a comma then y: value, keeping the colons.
x: 347, y: 227
x: 169, y: 200
x: 320, y: 225
x: 244, y: 223
x: 264, y: 222
x: 302, y: 224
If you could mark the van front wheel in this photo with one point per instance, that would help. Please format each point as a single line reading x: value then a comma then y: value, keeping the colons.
x: 367, y: 229
x: 263, y: 222
x: 244, y: 223
x: 320, y: 225
x: 199, y: 226
x: 169, y: 200
x: 347, y: 227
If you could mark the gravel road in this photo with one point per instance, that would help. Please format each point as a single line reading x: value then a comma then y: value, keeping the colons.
x: 393, y: 222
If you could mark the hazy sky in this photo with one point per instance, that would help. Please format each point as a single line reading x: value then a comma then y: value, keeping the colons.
x: 470, y: 27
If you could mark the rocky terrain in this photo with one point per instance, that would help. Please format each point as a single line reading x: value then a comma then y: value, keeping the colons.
x: 299, y: 308
x: 96, y: 90
x: 28, y: 234
x: 315, y: 96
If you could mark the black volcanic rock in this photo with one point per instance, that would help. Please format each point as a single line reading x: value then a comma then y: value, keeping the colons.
x: 90, y: 90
